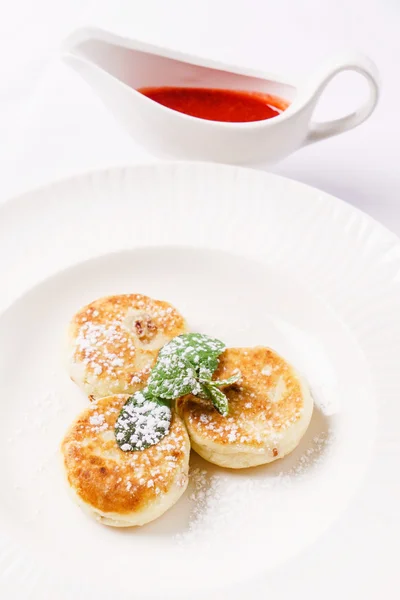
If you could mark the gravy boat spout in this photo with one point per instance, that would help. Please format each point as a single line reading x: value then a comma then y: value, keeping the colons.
x: 116, y: 68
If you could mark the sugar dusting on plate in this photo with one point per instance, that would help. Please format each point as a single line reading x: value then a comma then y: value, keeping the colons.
x: 217, y: 498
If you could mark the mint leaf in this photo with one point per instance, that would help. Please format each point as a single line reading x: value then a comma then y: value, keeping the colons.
x: 171, y: 377
x: 218, y: 398
x: 227, y: 382
x: 206, y: 370
x: 142, y: 422
x: 196, y: 348
x: 182, y: 363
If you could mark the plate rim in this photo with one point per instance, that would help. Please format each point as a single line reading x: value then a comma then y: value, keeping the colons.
x: 82, y: 173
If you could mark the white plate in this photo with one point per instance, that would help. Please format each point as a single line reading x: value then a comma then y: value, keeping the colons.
x: 253, y: 259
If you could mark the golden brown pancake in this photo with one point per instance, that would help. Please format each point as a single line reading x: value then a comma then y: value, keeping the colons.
x: 269, y: 411
x: 115, y: 341
x: 123, y: 488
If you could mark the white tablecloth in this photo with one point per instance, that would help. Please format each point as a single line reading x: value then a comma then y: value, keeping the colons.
x: 52, y: 124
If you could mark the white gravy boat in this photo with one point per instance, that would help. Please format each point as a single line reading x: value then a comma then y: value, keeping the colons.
x: 116, y: 68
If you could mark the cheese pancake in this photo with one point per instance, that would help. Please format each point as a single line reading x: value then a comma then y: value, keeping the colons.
x: 123, y: 489
x: 114, y: 342
x: 270, y: 409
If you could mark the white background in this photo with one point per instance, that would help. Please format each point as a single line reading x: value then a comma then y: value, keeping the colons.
x: 52, y: 124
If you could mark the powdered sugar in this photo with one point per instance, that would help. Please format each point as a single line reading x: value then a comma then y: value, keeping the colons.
x: 95, y: 340
x: 116, y: 340
x: 219, y: 500
x: 96, y: 419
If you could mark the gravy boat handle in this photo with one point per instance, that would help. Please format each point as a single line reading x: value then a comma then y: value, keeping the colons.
x: 316, y: 85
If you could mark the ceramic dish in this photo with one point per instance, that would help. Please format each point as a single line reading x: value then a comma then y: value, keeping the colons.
x: 256, y: 259
x: 117, y: 68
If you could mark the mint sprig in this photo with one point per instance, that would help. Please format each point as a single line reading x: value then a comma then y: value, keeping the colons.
x: 184, y: 366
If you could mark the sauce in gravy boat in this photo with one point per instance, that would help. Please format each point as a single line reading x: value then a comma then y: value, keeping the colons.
x: 128, y: 75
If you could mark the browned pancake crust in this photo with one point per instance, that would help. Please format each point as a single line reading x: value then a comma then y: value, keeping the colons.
x: 113, y: 481
x: 118, y: 348
x: 253, y: 412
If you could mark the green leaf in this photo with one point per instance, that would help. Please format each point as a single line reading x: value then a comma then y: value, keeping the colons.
x: 171, y: 378
x: 207, y: 368
x: 218, y: 398
x: 142, y: 422
x: 203, y: 391
x: 227, y: 382
x: 182, y: 363
x: 196, y: 348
